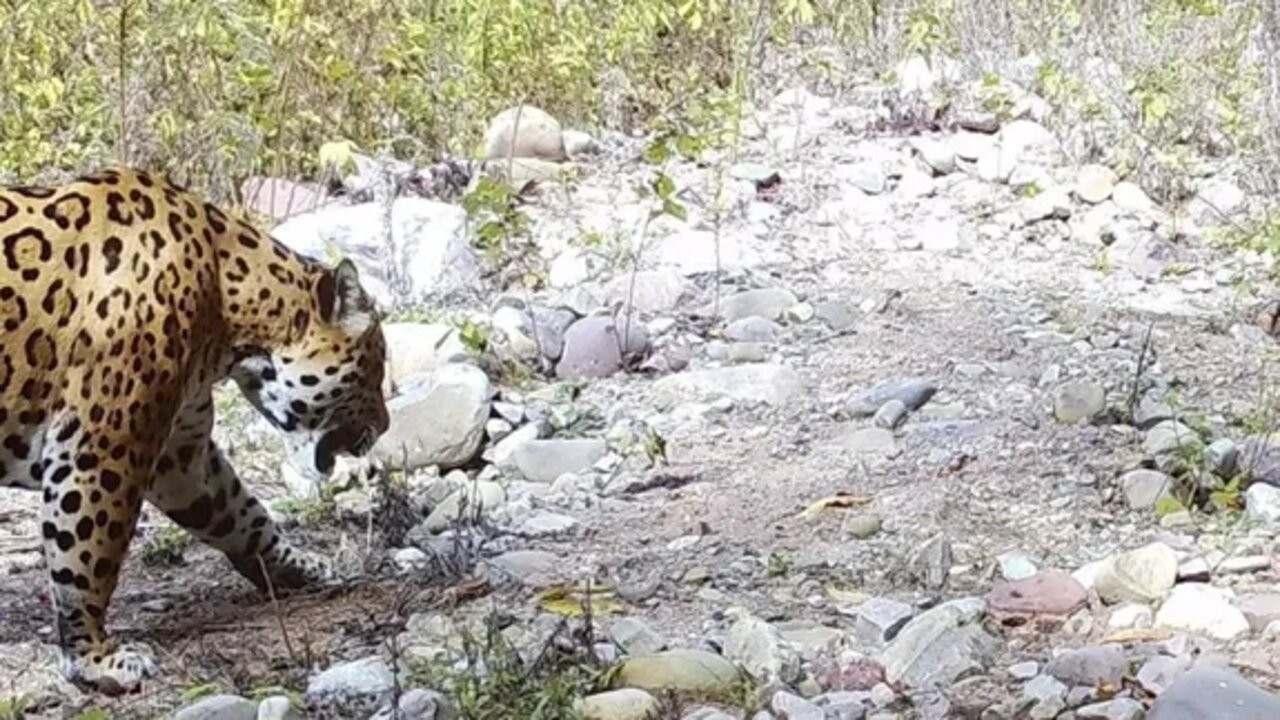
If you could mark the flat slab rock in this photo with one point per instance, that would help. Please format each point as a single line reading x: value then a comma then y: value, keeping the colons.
x: 1049, y: 592
x: 1217, y: 693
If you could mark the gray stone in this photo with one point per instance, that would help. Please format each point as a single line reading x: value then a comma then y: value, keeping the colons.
x: 758, y: 648
x: 1024, y: 670
x: 368, y: 678
x: 768, y: 303
x: 766, y: 383
x: 593, y: 347
x: 879, y: 620
x: 1170, y: 443
x: 863, y: 525
x: 524, y: 131
x: 1262, y: 503
x: 937, y: 648
x: 635, y: 637
x: 931, y: 563
x: 891, y: 414
x: 752, y: 329
x: 544, y: 523
x: 1046, y: 697
x: 439, y: 424
x: 417, y: 704
x: 549, y: 327
x: 1216, y: 201
x: 546, y: 460
x: 938, y: 155
x: 837, y: 315
x: 1078, y: 401
x: 1222, y: 457
x: 219, y: 707
x: 532, y: 568
x: 1117, y: 709
x: 747, y: 352
x: 869, y: 177
x: 471, y: 501
x: 1144, y: 488
x: 579, y: 144
x: 793, y: 707
x: 1212, y: 692
x: 1260, y: 610
x: 1244, y: 565
x: 810, y: 639
x: 911, y: 392
x: 649, y: 292
x: 1151, y: 411
x: 1103, y: 664
x: 1159, y: 672
x: 1260, y: 461
x: 1194, y: 569
x: 868, y: 441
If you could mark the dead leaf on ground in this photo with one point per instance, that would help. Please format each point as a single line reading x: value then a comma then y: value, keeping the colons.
x: 837, y: 501
x: 574, y: 602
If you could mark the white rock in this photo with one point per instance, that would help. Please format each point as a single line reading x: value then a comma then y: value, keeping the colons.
x: 433, y: 254
x: 524, y: 131
x: 419, y: 348
x: 568, y: 269
x: 1130, y: 616
x: 1204, y: 609
x: 219, y: 707
x: 1095, y: 183
x: 766, y: 383
x: 369, y: 677
x: 1262, y: 503
x: 1140, y: 575
x: 440, y: 424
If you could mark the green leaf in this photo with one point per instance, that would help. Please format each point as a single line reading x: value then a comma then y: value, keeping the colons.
x: 1168, y: 505
x: 674, y: 209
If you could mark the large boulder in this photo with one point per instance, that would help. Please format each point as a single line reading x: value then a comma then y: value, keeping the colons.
x: 422, y: 251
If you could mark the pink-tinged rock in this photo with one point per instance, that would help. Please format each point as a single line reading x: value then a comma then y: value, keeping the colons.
x: 278, y: 198
x: 1050, y: 592
x: 853, y: 674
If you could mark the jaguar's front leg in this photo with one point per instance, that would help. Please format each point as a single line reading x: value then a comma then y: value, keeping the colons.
x: 198, y: 489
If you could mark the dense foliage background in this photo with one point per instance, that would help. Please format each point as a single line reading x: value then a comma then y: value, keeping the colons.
x: 215, y: 90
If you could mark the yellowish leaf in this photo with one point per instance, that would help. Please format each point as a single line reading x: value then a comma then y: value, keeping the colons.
x: 837, y: 501
x: 845, y: 598
x: 574, y: 601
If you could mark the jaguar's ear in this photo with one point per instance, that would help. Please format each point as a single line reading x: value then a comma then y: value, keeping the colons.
x: 343, y: 301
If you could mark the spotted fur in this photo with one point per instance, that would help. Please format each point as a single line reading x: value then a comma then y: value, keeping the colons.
x: 124, y: 299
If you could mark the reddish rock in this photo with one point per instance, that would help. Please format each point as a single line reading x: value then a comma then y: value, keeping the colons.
x: 1049, y: 592
x: 278, y: 198
x: 858, y: 674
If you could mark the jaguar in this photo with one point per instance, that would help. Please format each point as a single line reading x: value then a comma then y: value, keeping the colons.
x: 125, y: 299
